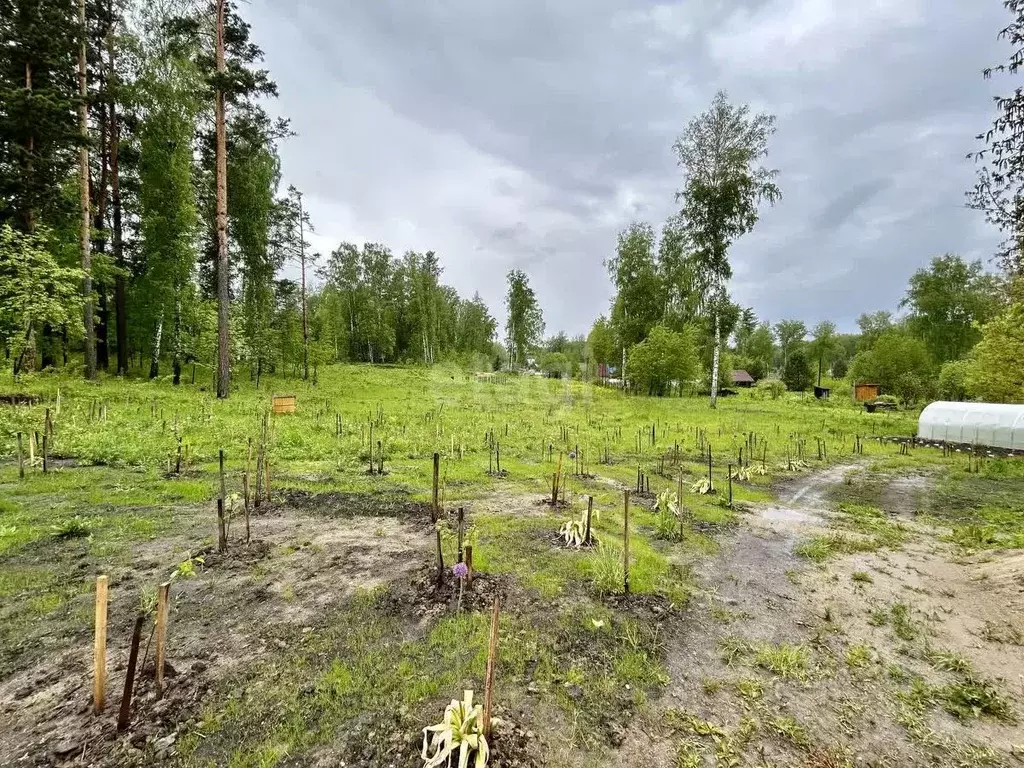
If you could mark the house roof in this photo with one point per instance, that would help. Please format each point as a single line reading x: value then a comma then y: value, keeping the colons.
x: 742, y: 377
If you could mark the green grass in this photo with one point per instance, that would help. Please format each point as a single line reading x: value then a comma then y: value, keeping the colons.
x: 859, y: 528
x: 586, y: 655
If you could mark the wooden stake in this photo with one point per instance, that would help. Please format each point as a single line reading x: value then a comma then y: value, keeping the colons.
x: 45, y: 452
x: 440, y: 560
x: 461, y: 523
x: 266, y: 474
x: 729, y: 471
x: 222, y: 533
x: 223, y: 485
x: 435, y: 512
x: 679, y: 506
x: 625, y: 545
x: 492, y: 659
x: 21, y: 459
x: 163, y: 607
x: 129, y: 676
x: 99, y: 656
x: 590, y: 512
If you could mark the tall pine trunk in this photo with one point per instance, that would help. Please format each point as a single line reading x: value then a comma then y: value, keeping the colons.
x: 116, y: 245
x: 83, y: 181
x: 223, y: 276
x: 99, y: 194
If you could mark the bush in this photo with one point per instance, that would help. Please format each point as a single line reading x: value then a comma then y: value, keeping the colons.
x: 664, y: 356
x: 953, y: 379
x: 773, y: 388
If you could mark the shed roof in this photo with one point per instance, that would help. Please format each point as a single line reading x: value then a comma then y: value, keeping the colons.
x: 998, y: 425
x: 742, y: 377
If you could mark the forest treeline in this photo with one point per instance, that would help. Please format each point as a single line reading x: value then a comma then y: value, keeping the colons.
x: 111, y: 198
x: 144, y: 226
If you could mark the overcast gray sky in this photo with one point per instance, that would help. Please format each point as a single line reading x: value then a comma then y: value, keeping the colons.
x: 526, y: 133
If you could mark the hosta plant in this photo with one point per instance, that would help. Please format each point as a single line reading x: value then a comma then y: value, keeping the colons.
x: 574, y: 532
x: 741, y: 473
x: 458, y: 739
x: 703, y: 486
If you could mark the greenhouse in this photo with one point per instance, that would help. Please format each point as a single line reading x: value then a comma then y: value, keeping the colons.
x: 994, y: 425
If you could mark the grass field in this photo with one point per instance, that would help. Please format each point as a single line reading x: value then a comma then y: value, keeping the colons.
x: 324, y: 640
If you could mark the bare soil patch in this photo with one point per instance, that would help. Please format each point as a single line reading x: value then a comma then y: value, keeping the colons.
x: 307, y: 554
x: 847, y: 703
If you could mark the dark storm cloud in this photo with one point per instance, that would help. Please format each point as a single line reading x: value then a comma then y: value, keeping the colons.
x: 526, y: 134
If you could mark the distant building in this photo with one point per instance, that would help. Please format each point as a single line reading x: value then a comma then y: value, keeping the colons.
x: 742, y: 379
x: 864, y: 392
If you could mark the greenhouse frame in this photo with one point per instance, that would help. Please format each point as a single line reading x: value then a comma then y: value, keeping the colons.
x: 994, y: 425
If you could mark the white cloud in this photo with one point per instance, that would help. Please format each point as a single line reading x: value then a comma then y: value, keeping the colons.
x: 793, y: 35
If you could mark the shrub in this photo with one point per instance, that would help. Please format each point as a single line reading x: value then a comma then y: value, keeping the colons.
x: 773, y: 388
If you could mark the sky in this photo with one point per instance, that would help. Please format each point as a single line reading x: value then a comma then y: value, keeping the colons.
x: 526, y: 134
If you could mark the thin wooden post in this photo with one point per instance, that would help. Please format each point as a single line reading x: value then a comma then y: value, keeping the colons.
x: 99, y: 656
x: 163, y: 607
x: 679, y: 506
x: 461, y: 523
x: 124, y: 715
x: 223, y: 485
x: 222, y: 534
x: 46, y: 452
x: 440, y: 560
x: 730, y: 484
x: 590, y: 512
x: 380, y: 458
x: 21, y: 459
x: 266, y: 474
x: 625, y: 545
x: 435, y: 511
x: 492, y: 659
x: 371, y: 447
x: 245, y: 486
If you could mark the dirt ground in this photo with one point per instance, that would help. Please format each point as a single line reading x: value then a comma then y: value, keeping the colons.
x: 305, y: 554
x: 877, y: 639
x: 854, y: 703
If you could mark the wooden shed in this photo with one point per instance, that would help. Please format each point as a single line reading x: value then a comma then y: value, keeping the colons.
x: 864, y: 392
x: 742, y: 379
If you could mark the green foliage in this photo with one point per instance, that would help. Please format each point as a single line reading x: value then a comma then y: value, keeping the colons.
x: 899, y: 362
x: 638, y: 301
x: 525, y: 323
x: 994, y: 375
x: 76, y: 527
x: 872, y: 325
x: 556, y: 365
x: 601, y: 342
x: 797, y: 373
x: 790, y: 334
x: 34, y: 290
x: 948, y: 301
x: 663, y: 357
x: 773, y: 388
x: 953, y: 377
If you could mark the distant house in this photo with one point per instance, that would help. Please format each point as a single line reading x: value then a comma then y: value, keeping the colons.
x: 742, y: 379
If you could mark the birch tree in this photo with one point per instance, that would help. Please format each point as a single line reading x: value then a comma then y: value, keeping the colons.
x: 721, y: 153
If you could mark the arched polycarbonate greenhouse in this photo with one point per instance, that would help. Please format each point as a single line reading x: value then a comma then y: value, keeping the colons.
x: 994, y: 425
